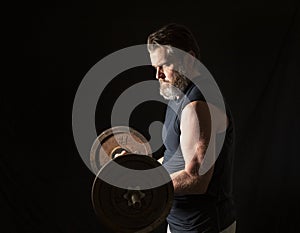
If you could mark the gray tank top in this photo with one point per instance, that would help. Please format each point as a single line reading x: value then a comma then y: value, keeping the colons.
x: 214, y: 210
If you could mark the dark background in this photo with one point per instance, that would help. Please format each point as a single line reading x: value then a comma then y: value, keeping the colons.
x: 251, y: 48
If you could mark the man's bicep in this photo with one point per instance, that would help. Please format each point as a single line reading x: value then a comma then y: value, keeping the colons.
x: 195, y: 137
x: 195, y: 131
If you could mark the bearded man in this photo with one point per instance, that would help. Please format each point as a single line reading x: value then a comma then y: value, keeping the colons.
x: 203, y: 201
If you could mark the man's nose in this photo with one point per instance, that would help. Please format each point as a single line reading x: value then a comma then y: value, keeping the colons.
x: 159, y: 73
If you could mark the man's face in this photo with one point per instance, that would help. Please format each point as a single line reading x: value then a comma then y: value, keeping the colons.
x: 172, y: 81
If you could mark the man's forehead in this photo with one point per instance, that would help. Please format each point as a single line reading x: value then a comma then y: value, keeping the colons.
x: 158, y: 56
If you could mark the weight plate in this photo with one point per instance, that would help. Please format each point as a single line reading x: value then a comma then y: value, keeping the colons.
x: 114, y: 206
x: 113, y: 141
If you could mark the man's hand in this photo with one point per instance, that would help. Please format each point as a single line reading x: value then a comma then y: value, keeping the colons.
x: 119, y: 154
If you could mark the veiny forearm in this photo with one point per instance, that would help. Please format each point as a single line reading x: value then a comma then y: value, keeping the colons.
x: 185, y: 183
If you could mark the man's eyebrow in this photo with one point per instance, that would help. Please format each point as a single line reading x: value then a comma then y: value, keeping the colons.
x: 161, y: 64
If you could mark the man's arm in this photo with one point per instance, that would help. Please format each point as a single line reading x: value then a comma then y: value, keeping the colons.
x: 196, y: 133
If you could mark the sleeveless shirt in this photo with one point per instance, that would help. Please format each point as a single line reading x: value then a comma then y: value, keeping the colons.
x: 214, y: 210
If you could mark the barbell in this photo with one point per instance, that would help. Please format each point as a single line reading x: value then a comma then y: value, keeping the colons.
x: 130, y: 207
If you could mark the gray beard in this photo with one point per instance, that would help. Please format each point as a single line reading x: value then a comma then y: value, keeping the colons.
x: 173, y: 91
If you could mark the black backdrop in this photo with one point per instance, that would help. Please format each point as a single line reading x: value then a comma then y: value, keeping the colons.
x: 252, y: 50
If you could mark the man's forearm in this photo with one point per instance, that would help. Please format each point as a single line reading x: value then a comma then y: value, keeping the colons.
x: 185, y: 183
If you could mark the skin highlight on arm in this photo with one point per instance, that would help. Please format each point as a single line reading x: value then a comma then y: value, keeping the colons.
x: 196, y: 131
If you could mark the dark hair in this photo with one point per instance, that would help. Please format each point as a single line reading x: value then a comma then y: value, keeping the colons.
x: 175, y: 35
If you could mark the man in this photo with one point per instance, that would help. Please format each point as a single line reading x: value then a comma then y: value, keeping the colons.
x: 203, y: 200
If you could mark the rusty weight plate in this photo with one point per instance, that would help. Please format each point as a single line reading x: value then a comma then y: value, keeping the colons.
x: 132, y: 210
x: 113, y: 141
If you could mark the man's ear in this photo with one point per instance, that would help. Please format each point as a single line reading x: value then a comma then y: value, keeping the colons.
x: 189, y: 59
x: 192, y: 53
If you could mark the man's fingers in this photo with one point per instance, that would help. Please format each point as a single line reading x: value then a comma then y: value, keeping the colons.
x: 122, y: 153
